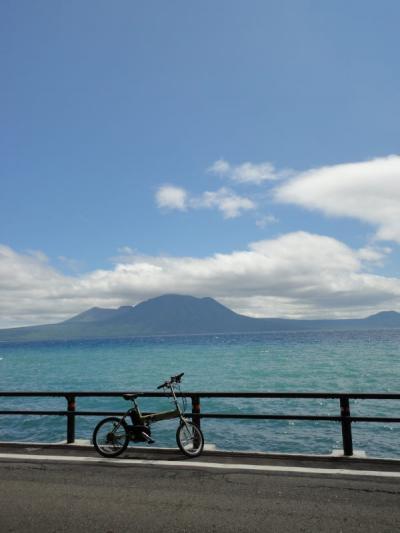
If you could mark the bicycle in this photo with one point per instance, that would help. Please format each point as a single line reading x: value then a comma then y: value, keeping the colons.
x: 112, y: 435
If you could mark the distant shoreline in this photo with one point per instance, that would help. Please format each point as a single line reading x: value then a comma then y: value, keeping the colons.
x: 177, y: 315
x: 213, y: 334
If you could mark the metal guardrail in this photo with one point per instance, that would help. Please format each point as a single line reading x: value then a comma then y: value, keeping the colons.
x: 344, y: 418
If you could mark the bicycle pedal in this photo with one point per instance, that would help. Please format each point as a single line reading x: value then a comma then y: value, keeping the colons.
x: 148, y: 439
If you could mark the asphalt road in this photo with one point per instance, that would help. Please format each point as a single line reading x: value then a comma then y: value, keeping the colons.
x: 51, y: 496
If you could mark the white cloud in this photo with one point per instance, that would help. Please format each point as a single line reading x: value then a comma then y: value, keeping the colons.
x: 225, y: 200
x: 374, y: 254
x: 297, y: 274
x: 220, y: 168
x: 368, y: 191
x: 171, y: 197
x: 266, y: 220
x: 246, y: 172
x: 229, y: 203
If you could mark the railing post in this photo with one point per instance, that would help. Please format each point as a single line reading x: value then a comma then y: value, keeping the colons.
x: 195, y: 416
x: 346, y: 426
x: 71, y: 419
x: 196, y: 410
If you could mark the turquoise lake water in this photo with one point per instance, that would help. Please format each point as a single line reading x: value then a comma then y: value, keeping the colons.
x: 352, y: 361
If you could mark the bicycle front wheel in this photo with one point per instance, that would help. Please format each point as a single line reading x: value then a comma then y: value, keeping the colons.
x: 190, y: 439
x: 110, y: 437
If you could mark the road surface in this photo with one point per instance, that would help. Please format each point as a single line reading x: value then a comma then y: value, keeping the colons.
x: 57, y: 495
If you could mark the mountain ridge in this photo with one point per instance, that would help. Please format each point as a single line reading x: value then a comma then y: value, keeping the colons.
x: 172, y: 314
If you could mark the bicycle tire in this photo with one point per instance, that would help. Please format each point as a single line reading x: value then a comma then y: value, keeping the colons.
x: 190, y: 439
x: 106, y: 442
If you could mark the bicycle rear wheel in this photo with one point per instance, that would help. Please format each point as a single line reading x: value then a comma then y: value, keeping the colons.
x: 110, y: 437
x: 190, y: 439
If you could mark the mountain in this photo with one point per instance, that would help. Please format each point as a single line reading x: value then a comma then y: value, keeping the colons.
x: 169, y: 314
x: 388, y: 319
x: 173, y: 314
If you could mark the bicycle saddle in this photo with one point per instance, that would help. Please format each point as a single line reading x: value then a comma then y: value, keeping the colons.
x: 129, y: 396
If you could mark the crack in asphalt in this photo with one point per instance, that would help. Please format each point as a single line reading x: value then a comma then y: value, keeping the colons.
x: 352, y: 489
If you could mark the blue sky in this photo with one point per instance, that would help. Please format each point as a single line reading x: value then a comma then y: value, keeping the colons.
x: 114, y: 115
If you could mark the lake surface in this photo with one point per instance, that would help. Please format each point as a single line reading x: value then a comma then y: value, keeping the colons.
x: 351, y: 361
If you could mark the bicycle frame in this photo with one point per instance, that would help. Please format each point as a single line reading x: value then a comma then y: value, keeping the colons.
x: 138, y: 418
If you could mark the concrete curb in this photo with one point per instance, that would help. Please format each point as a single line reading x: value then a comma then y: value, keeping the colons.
x: 332, y: 458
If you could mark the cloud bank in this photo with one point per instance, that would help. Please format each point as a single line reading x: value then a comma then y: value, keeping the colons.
x: 292, y: 275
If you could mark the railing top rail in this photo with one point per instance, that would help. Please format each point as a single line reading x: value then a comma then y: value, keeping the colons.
x: 234, y: 416
x: 210, y: 394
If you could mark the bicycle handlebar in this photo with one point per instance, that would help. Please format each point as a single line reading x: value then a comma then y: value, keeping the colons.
x: 174, y: 379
